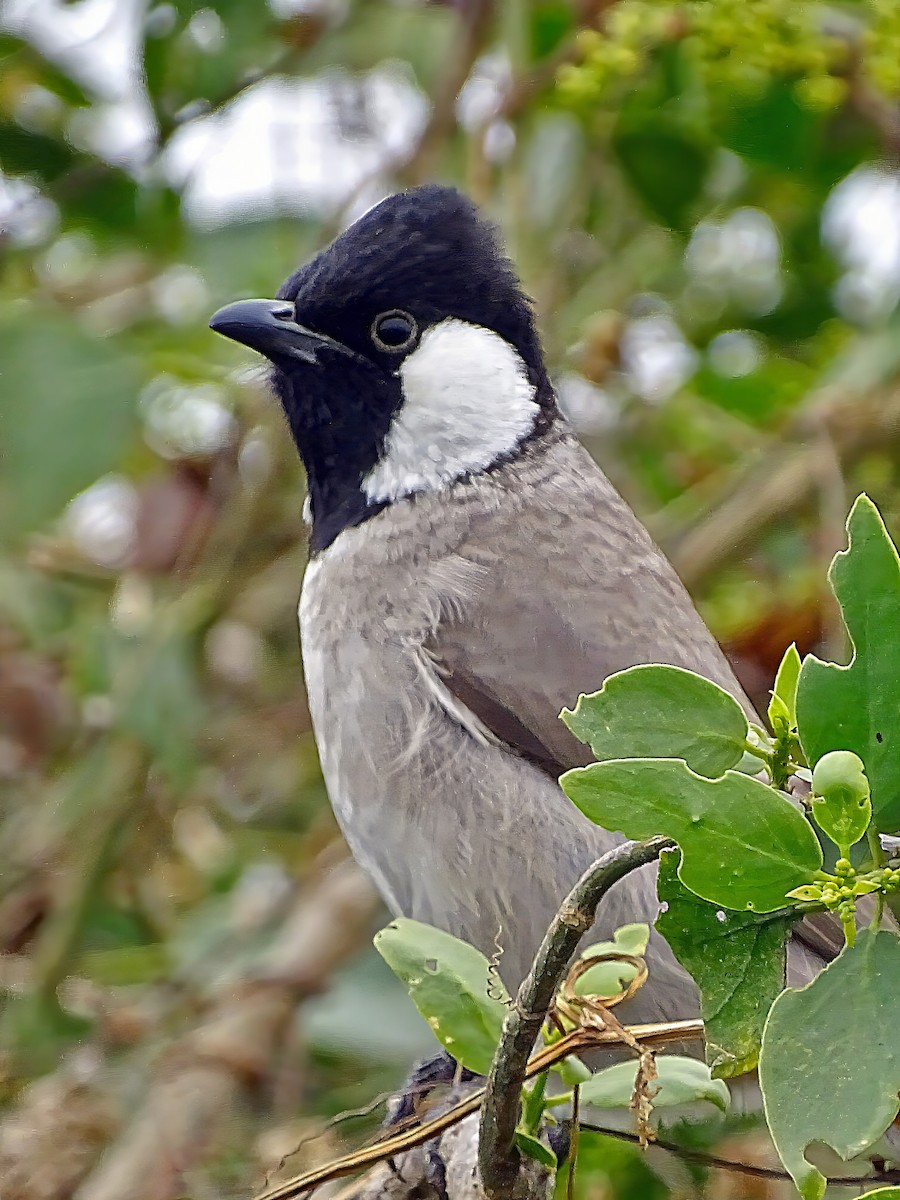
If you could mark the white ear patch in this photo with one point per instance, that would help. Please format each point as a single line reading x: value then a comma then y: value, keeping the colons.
x: 467, y: 401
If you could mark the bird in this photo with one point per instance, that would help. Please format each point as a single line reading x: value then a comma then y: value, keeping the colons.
x: 471, y: 571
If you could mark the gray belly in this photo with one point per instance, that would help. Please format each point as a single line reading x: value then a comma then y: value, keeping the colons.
x: 457, y: 831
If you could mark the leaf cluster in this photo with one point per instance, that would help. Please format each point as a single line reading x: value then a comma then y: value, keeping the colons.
x: 677, y: 756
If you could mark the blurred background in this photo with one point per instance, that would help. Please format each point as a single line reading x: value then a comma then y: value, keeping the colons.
x: 701, y: 196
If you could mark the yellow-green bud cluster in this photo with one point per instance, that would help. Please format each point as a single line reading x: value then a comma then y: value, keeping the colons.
x: 743, y: 44
x: 881, y: 46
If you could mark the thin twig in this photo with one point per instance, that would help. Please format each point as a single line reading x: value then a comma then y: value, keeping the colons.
x: 716, y: 1162
x: 474, y: 21
x: 579, y: 1040
x: 573, y: 1145
x: 498, y: 1158
x: 773, y: 485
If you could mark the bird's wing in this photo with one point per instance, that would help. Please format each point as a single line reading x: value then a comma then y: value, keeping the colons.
x: 602, y: 598
x: 566, y: 598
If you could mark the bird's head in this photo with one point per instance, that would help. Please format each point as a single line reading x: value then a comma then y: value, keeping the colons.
x: 405, y: 356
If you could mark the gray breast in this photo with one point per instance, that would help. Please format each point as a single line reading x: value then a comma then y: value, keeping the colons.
x: 454, y: 828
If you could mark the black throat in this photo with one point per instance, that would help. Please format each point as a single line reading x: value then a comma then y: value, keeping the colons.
x: 340, y: 439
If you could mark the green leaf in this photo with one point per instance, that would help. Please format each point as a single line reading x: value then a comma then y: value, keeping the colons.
x: 161, y: 703
x: 736, y: 959
x: 550, y: 21
x: 885, y: 1193
x: 661, y: 712
x: 535, y: 1149
x: 29, y: 152
x: 19, y: 56
x: 607, y: 978
x: 665, y: 162
x: 783, y: 707
x: 628, y: 939
x: 841, y: 806
x: 607, y: 1167
x: 854, y: 707
x: 448, y: 982
x: 760, y: 396
x: 830, y: 1062
x: 571, y: 1071
x: 743, y: 844
x: 67, y: 417
x: 808, y: 893
x: 864, y: 887
x: 772, y: 128
x: 680, y: 1081
x: 90, y: 193
x: 36, y: 1034
x: 125, y: 965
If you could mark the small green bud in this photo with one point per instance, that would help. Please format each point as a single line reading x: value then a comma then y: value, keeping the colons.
x: 841, y: 807
x: 840, y: 769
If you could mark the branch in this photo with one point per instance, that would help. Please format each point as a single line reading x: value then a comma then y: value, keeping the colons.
x: 772, y: 486
x: 473, y: 27
x: 717, y: 1163
x: 498, y: 1158
x: 389, y: 1148
x: 205, y: 1077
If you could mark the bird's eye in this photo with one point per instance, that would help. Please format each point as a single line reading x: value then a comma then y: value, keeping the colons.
x: 394, y: 331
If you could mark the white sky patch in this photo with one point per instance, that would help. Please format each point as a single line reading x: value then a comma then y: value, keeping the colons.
x: 295, y: 144
x: 180, y: 294
x: 590, y: 409
x: 26, y: 217
x: 97, y: 42
x: 739, y: 257
x: 656, y: 358
x: 95, y: 39
x: 186, y: 419
x: 467, y: 402
x: 735, y: 352
x: 102, y: 521
x: 283, y: 145
x: 482, y: 94
x: 861, y: 226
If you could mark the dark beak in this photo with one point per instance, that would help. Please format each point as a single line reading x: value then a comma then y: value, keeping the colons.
x: 269, y: 327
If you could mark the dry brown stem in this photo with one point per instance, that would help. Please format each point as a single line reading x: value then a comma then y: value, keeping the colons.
x: 192, y: 1103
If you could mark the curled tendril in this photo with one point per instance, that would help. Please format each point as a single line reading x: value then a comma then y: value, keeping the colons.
x: 495, y: 987
x: 593, y: 1012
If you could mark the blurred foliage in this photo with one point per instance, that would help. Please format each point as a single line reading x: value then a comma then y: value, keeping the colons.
x: 702, y: 200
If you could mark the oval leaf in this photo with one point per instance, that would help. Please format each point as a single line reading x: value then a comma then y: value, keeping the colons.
x: 535, y: 1149
x: 737, y: 960
x: 783, y: 708
x: 830, y: 1060
x: 743, y: 844
x: 608, y: 978
x: 854, y: 707
x: 448, y: 981
x: 661, y: 712
x: 679, y: 1081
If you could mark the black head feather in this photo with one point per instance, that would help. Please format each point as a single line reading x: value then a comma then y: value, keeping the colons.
x: 426, y: 252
